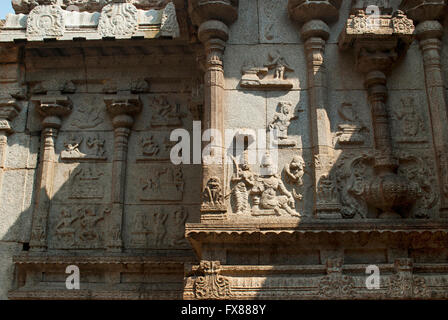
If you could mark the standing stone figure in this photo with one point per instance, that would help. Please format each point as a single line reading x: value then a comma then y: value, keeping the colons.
x: 244, y: 181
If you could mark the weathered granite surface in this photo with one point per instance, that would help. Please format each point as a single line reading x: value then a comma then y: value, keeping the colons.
x: 91, y: 90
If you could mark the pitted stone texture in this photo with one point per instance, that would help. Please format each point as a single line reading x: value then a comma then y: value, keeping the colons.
x: 22, y: 151
x: 245, y: 29
x: 7, y: 251
x: 245, y: 110
x: 274, y: 23
x: 16, y: 209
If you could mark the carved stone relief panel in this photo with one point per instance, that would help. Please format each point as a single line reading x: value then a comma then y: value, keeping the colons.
x: 78, y: 226
x: 162, y: 183
x: 85, y: 183
x: 89, y: 146
x: 152, y: 183
x: 118, y: 20
x: 164, y: 112
x: 271, y: 76
x: 46, y: 21
x: 265, y: 67
x: 409, y: 121
x: 264, y: 190
x: 158, y: 227
x: 154, y: 146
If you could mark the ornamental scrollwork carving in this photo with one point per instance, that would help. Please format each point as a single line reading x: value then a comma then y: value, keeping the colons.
x: 118, y: 20
x: 211, y: 285
x: 46, y: 21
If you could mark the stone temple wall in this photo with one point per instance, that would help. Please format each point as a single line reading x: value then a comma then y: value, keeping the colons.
x: 343, y: 160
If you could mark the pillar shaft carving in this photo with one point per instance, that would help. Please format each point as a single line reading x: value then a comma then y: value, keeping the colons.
x: 429, y: 34
x: 122, y: 110
x: 375, y: 56
x: 52, y: 109
x: 213, y: 19
x: 315, y: 33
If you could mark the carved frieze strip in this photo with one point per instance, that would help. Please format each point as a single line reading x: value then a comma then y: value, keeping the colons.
x: 120, y: 20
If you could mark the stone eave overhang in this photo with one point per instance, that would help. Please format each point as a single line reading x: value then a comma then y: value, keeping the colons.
x: 407, y: 233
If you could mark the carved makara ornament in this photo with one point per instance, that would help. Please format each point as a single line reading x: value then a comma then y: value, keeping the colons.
x: 211, y: 285
x: 119, y: 20
x: 46, y: 21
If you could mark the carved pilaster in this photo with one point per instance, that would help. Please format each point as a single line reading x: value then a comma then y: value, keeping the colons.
x: 122, y: 110
x: 212, y: 18
x: 315, y: 32
x: 9, y: 109
x: 52, y: 110
x: 429, y: 34
x: 377, y: 47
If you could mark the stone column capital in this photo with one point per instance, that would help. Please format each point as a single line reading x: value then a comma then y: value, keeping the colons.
x: 122, y: 109
x: 424, y: 10
x: 429, y: 29
x: 315, y: 29
x: 9, y: 109
x: 52, y: 109
x: 302, y: 11
x: 225, y: 11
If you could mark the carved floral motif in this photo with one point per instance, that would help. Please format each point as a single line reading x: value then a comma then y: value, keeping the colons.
x: 211, y: 285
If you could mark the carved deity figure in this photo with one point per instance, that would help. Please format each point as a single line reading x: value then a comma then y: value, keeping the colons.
x: 279, y: 65
x: 282, y: 121
x: 98, y: 144
x: 272, y: 193
x: 244, y: 181
x: 165, y: 114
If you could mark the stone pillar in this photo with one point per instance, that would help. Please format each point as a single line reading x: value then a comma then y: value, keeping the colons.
x: 429, y: 34
x: 212, y: 18
x: 9, y: 109
x: 376, y: 50
x: 52, y: 109
x: 315, y: 32
x: 122, y: 110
